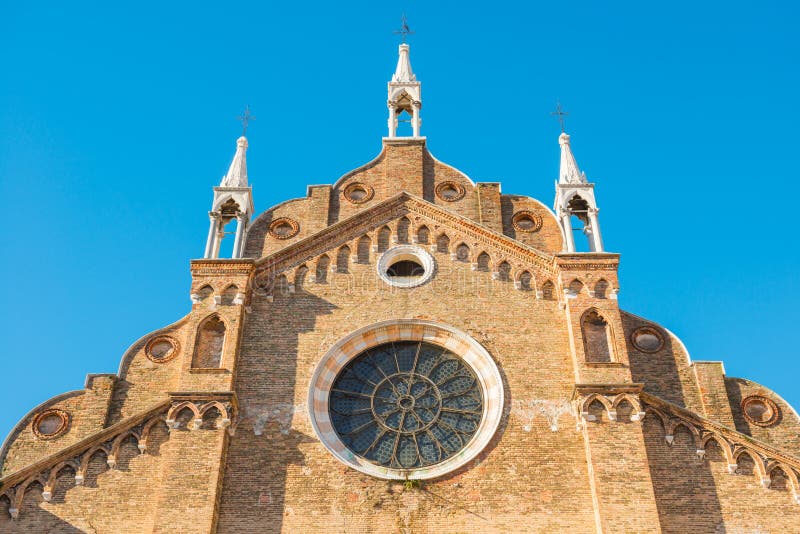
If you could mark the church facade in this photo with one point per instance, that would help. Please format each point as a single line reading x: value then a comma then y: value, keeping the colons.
x: 404, y: 351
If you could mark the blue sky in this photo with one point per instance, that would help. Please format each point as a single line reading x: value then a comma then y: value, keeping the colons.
x: 116, y: 121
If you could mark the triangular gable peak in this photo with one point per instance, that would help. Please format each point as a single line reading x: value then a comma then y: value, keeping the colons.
x: 438, y: 220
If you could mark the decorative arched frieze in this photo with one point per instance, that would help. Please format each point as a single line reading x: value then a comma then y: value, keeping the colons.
x: 108, y: 442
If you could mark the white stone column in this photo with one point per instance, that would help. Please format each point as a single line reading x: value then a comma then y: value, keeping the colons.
x: 587, y: 231
x: 392, y: 118
x: 212, y: 232
x: 566, y: 223
x: 219, y: 235
x: 238, y: 243
x: 415, y: 120
x: 596, y: 239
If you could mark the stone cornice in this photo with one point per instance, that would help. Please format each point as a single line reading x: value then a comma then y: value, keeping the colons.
x: 606, y: 389
x: 603, y: 261
x: 82, y: 445
x: 221, y: 267
x: 109, y: 440
x: 388, y: 210
x: 734, y: 438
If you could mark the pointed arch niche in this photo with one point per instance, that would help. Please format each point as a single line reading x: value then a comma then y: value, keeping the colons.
x: 210, y: 343
x: 598, y: 341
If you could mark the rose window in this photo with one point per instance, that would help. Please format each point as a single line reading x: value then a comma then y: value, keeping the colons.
x: 406, y: 404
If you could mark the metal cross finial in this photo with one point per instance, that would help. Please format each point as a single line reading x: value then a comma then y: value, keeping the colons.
x: 404, y: 30
x: 561, y: 115
x: 246, y: 118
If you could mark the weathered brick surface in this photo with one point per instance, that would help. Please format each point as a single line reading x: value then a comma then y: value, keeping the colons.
x: 574, y: 450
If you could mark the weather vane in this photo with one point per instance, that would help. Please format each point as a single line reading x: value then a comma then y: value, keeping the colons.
x: 246, y: 118
x: 404, y: 30
x: 561, y: 115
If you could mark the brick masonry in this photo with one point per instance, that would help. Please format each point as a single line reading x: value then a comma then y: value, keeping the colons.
x: 640, y: 440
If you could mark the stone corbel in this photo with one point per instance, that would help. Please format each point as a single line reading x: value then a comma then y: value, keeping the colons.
x: 701, y: 453
x: 195, y: 298
x: 732, y: 468
x: 586, y: 416
x: 239, y: 298
x: 669, y: 438
x: 638, y: 416
x: 765, y: 482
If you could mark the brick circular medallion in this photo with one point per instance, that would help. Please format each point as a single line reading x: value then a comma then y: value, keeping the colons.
x: 760, y: 411
x: 162, y: 349
x: 50, y: 424
x: 460, y: 355
x: 647, y: 339
x: 284, y: 228
x: 450, y: 191
x: 526, y: 221
x: 358, y: 193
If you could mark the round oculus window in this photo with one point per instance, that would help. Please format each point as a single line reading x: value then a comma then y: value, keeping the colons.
x: 284, y: 228
x: 647, y: 339
x: 760, y: 411
x: 161, y: 349
x: 406, y: 266
x: 406, y: 405
x: 526, y: 221
x: 450, y: 191
x: 358, y: 193
x: 50, y: 424
x: 406, y: 399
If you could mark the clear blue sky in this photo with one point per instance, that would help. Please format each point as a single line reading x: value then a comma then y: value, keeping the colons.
x: 116, y: 121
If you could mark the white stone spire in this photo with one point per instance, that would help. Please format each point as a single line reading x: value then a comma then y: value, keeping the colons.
x: 403, y: 72
x: 405, y: 93
x: 233, y: 199
x: 237, y: 173
x: 569, y: 173
x: 575, y: 198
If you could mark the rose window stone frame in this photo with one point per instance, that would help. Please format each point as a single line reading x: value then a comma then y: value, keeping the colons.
x: 355, y: 344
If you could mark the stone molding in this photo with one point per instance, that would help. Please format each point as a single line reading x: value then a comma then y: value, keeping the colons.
x: 402, y: 204
x: 733, y: 443
x: 472, y: 352
x: 110, y: 439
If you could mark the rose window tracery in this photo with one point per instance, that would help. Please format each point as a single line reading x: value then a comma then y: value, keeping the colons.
x: 407, y: 404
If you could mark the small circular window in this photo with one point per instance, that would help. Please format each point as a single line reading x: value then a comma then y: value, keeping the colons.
x: 406, y: 266
x: 647, y: 339
x: 450, y: 191
x: 50, y: 423
x: 161, y: 349
x: 284, y: 228
x: 358, y: 193
x: 526, y: 221
x: 760, y: 411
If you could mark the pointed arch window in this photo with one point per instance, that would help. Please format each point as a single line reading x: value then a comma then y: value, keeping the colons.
x: 210, y: 343
x: 597, y: 339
